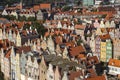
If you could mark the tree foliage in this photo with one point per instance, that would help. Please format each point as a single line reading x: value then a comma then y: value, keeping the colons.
x: 36, y: 25
x: 40, y: 28
x: 31, y: 19
x: 9, y: 17
x: 66, y: 8
x: 22, y: 18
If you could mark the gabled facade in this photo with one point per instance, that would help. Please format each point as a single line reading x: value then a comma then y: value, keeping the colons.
x: 50, y: 73
x: 109, y: 50
x: 40, y: 15
x: 35, y: 70
x: 114, y: 67
x: 57, y: 74
x: 13, y: 64
x: 50, y: 45
x: 18, y: 74
x: 97, y: 46
x: 29, y: 68
x: 116, y: 46
x: 42, y: 69
x: 23, y: 63
x: 18, y: 40
x: 103, y: 51
x: 4, y: 13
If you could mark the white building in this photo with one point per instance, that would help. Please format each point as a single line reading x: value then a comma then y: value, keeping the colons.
x: 114, y: 67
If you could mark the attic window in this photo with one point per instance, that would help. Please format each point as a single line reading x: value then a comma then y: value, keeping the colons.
x: 113, y: 63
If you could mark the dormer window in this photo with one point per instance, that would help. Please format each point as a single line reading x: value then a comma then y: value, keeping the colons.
x: 113, y: 63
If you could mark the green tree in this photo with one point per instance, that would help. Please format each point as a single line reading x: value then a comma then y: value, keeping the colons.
x: 22, y: 18
x: 40, y: 28
x: 66, y: 8
x: 31, y: 19
x: 26, y: 26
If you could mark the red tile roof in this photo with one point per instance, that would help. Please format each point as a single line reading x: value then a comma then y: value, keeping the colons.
x: 79, y: 26
x: 23, y: 48
x: 114, y: 62
x: 45, y: 6
x: 97, y: 78
x: 104, y: 37
x: 8, y: 53
x: 75, y: 74
x: 36, y: 8
x: 20, y: 24
x: 75, y: 51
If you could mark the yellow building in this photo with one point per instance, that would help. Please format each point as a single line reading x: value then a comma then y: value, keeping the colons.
x: 103, y: 51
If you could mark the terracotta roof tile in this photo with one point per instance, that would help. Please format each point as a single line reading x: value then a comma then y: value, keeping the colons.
x: 23, y: 48
x: 75, y: 74
x: 114, y: 62
x: 58, y: 40
x: 79, y: 26
x: 45, y: 6
x: 104, y: 37
x: 97, y: 78
x: 92, y: 72
x: 20, y: 24
x: 94, y: 58
x: 81, y: 56
x: 75, y: 51
x: 8, y: 53
x: 36, y: 8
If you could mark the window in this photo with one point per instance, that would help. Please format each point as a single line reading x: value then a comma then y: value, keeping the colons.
x: 51, y: 76
x: 115, y: 69
x: 109, y: 68
x: 29, y: 74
